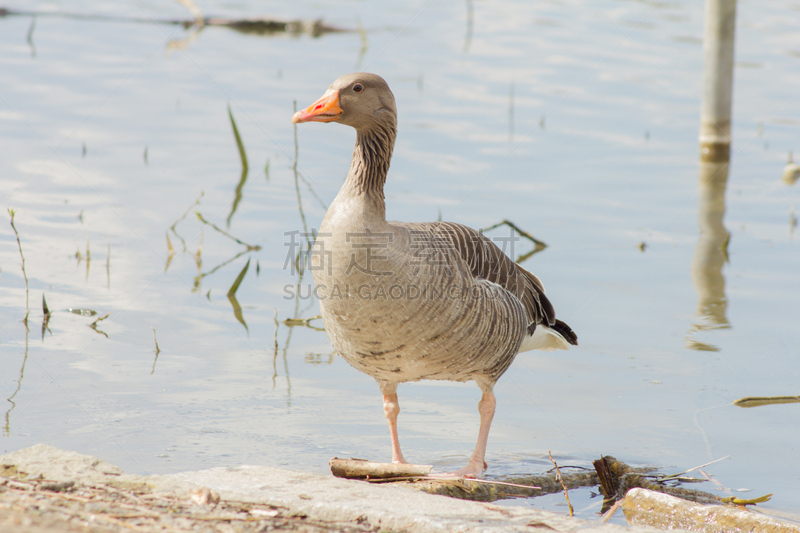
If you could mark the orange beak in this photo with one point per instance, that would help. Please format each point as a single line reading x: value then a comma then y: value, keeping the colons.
x: 326, y: 109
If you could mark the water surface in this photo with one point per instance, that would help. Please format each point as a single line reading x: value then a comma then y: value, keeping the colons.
x: 576, y: 121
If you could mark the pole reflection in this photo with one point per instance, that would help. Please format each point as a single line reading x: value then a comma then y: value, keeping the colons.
x: 711, y: 252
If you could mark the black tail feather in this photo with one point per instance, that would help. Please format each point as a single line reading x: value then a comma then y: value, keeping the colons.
x: 565, y: 331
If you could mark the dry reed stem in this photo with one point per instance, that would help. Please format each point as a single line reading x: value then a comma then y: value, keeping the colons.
x: 558, y: 476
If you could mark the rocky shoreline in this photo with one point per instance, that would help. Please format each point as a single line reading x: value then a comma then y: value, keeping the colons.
x: 43, y: 489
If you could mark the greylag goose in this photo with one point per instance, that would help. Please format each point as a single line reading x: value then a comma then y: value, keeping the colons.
x: 411, y: 301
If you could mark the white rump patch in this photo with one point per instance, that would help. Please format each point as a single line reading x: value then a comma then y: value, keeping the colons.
x: 544, y: 338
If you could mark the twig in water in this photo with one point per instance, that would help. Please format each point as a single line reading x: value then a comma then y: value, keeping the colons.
x: 291, y: 322
x: 158, y: 350
x: 171, y: 252
x: 223, y: 264
x: 679, y: 474
x: 558, y: 475
x: 516, y: 228
x: 10, y: 399
x: 204, y: 221
x: 275, y: 354
x: 24, y: 274
x: 93, y: 325
x: 184, y: 216
x: 613, y: 509
x: 538, y: 245
x: 712, y: 479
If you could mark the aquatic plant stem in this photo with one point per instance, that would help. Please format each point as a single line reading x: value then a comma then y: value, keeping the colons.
x: 296, y: 179
x: 24, y: 274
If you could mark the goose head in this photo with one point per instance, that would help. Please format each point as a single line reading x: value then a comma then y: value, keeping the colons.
x: 360, y: 100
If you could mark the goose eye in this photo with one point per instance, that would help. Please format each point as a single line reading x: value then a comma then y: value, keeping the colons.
x: 358, y: 87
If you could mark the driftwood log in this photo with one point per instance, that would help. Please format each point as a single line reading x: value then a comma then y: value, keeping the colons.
x: 369, y: 470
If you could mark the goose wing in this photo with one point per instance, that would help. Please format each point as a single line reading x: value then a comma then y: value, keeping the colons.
x: 485, y: 260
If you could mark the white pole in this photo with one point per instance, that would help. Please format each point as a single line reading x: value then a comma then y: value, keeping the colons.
x: 715, y: 116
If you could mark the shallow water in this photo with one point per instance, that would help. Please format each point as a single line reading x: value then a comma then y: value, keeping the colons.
x: 576, y: 121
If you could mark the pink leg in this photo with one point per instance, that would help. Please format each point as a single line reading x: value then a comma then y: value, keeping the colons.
x: 477, y: 465
x: 391, y: 408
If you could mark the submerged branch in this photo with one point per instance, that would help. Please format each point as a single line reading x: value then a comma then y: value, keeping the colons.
x: 538, y: 245
x: 255, y: 26
x: 250, y: 247
x: 172, y: 228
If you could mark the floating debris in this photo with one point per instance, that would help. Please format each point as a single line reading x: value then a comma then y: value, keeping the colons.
x: 82, y: 312
x: 791, y: 172
x: 757, y: 401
